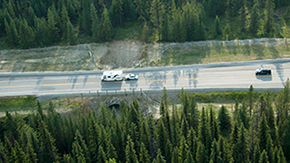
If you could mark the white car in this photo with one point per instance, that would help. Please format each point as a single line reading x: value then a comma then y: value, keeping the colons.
x: 131, y: 77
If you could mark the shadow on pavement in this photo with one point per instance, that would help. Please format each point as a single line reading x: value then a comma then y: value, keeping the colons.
x: 111, y: 86
x: 264, y: 77
x: 133, y: 84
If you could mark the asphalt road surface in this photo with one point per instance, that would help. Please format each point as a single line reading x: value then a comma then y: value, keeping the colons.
x: 221, y: 75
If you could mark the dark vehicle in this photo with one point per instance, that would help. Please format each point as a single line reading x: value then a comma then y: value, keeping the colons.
x: 263, y: 71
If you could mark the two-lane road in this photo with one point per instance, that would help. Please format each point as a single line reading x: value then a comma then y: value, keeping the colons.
x: 224, y: 75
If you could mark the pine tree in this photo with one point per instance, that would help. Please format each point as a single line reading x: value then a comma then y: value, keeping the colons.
x: 264, y: 157
x: 243, y: 115
x: 162, y: 137
x: 71, y: 34
x: 140, y: 10
x: 223, y: 148
x: 18, y: 153
x: 201, y: 154
x: 224, y: 121
x: 257, y: 154
x: 42, y: 34
x: 217, y: 27
x: 215, y: 156
x: 80, y: 149
x: 282, y: 158
x: 48, y: 152
x: 10, y: 125
x: 145, y: 32
x: 85, y: 17
x: 165, y: 29
x: 26, y: 35
x: 116, y: 12
x: 213, y: 126
x: 234, y: 139
x: 268, y: 27
x: 159, y: 158
x: 189, y: 158
x: 157, y: 12
x: 32, y: 16
x: 95, y: 23
x: 183, y: 149
x: 8, y: 149
x: 52, y: 29
x: 143, y: 155
x: 64, y: 23
x: 285, y: 32
x: 105, y: 33
x: 285, y: 142
x: 242, y: 146
x: 175, y: 157
x: 242, y: 16
x: 102, y: 158
x: 131, y: 156
x: 254, y: 24
x: 263, y: 133
x: 30, y: 154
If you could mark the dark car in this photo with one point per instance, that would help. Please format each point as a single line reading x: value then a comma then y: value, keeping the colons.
x: 263, y: 71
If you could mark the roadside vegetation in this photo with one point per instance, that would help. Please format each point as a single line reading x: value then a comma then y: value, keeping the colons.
x: 257, y: 129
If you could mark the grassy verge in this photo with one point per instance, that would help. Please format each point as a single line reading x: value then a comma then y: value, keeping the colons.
x: 222, y: 53
x: 17, y: 103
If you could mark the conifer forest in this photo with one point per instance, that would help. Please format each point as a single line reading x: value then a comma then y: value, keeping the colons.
x: 257, y: 131
x: 40, y: 23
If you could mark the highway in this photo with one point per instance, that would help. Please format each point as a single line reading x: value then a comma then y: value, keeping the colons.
x: 206, y: 76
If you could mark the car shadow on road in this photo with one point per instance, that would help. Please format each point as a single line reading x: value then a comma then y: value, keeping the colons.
x: 111, y: 86
x: 133, y: 84
x: 264, y: 77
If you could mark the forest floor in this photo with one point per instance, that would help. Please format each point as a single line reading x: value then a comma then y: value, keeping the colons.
x: 130, y: 54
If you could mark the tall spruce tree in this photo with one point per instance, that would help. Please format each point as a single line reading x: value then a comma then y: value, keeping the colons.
x: 217, y: 27
x: 157, y: 12
x: 26, y: 35
x: 105, y: 33
x: 131, y: 156
x: 223, y: 148
x: 48, y: 152
x: 242, y: 16
x: 286, y: 141
x: 95, y: 23
x: 116, y: 12
x: 224, y: 121
x: 143, y: 155
x: 257, y: 154
x: 268, y: 27
x: 71, y: 34
x: 189, y: 158
x: 102, y: 158
x: 264, y: 157
x: 254, y: 24
x: 263, y: 133
x: 215, y: 156
x: 201, y: 154
x: 64, y: 23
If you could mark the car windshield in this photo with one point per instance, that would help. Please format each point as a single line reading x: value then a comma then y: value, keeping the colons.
x: 132, y: 75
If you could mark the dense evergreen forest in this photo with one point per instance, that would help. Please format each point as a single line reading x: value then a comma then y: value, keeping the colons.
x: 39, y: 23
x: 257, y: 131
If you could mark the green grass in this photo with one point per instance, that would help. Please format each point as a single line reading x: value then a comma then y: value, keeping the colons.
x: 17, y: 103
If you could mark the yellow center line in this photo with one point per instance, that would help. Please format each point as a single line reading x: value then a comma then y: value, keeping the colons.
x: 171, y: 79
